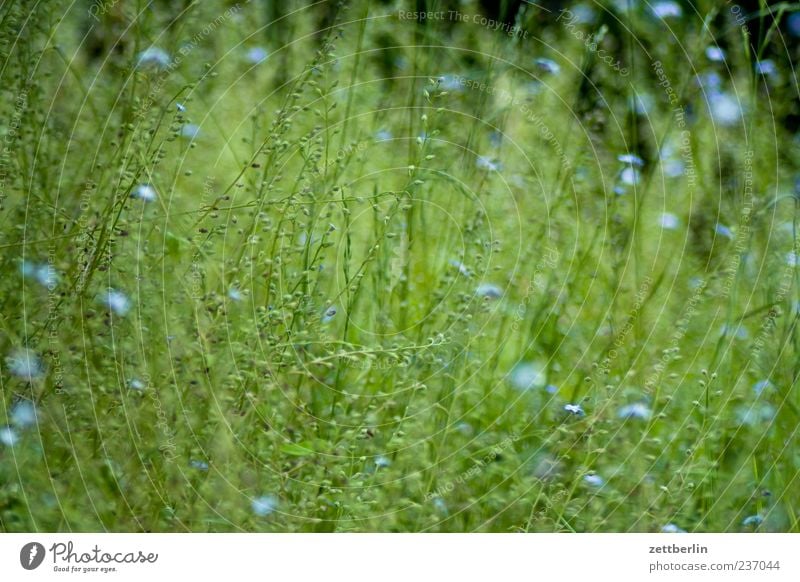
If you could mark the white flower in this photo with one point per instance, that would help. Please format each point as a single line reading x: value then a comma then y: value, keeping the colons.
x: 635, y: 410
x: 154, y: 57
x: 548, y: 66
x: 574, y: 409
x: 672, y: 528
x: 669, y: 221
x: 23, y: 414
x: 25, y: 364
x: 527, y: 376
x: 144, y: 192
x: 489, y: 291
x: 667, y: 9
x: 180, y: 107
x: 257, y: 55
x: 117, y: 302
x: 594, y: 480
x: 264, y: 505
x: 714, y: 53
x: 7, y: 436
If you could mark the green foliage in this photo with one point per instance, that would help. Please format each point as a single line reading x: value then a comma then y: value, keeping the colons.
x: 380, y: 262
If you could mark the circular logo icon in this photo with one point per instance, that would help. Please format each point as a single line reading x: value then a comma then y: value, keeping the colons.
x: 31, y: 555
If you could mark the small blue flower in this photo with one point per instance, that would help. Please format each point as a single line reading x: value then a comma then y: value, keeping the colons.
x: 755, y: 520
x: 548, y: 66
x: 23, y: 414
x: 257, y: 55
x: 382, y: 462
x: 489, y: 291
x: 630, y: 176
x: 723, y: 230
x: 8, y: 437
x: 25, y: 364
x: 440, y: 505
x: 117, y: 302
x: 762, y: 385
x: 383, y: 135
x: 264, y: 505
x: 631, y: 159
x: 714, y: 53
x: 636, y: 410
x: 329, y: 314
x: 672, y: 528
x: 154, y: 57
x: 199, y: 465
x: 136, y: 384
x: 527, y: 376
x: 574, y: 409
x: 190, y: 131
x: 669, y: 221
x: 667, y: 9
x: 145, y: 192
x: 766, y: 67
x: 594, y: 480
x: 488, y: 164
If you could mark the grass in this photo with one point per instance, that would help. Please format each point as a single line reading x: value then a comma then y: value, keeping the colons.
x: 394, y: 276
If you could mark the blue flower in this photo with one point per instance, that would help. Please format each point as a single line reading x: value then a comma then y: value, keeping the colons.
x: 755, y: 520
x: 25, y: 364
x: 329, y: 314
x: 23, y: 414
x: 489, y: 291
x: 548, y: 66
x: 594, y: 480
x: 714, y: 53
x: 672, y: 528
x: 762, y: 385
x: 154, y: 57
x: 527, y: 376
x: 264, y: 505
x: 631, y: 159
x: 382, y: 462
x: 8, y: 437
x: 257, y: 55
x: 199, y: 465
x: 117, y: 302
x: 144, y: 192
x: 667, y: 9
x: 574, y: 409
x: 636, y: 410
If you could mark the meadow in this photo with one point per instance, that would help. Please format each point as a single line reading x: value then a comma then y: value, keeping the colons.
x: 399, y: 266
